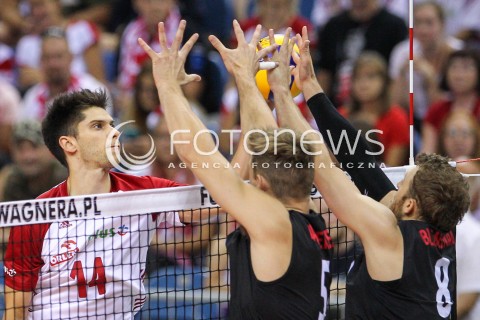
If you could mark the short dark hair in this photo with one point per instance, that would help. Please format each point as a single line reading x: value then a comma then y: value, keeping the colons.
x: 460, y: 54
x: 64, y: 114
x: 284, y: 161
x: 440, y: 191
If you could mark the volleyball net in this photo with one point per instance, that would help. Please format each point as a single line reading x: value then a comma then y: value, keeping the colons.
x: 104, y: 247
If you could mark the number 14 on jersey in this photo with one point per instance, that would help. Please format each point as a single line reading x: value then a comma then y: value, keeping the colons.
x: 98, y: 277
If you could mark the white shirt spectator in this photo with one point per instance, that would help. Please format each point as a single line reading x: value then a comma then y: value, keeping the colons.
x: 7, y: 63
x: 468, y: 261
x: 461, y: 15
x: 80, y: 35
x: 35, y: 102
x: 9, y: 103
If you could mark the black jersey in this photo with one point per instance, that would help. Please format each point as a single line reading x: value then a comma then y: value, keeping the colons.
x: 426, y: 289
x: 301, y: 293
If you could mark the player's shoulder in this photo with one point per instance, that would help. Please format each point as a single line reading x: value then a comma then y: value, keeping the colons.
x: 123, y: 181
x: 60, y: 190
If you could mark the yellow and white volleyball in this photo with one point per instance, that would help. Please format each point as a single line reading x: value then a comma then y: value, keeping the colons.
x: 261, y: 77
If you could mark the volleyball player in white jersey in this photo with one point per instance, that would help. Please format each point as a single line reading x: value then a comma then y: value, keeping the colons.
x: 82, y: 269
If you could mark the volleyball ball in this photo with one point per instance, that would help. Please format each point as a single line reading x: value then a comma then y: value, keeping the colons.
x: 261, y: 76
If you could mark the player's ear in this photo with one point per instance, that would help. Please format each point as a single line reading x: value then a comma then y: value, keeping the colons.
x: 68, y: 144
x: 262, y: 183
x: 409, y: 207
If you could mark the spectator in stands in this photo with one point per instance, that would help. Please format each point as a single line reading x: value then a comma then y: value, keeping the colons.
x: 9, y: 112
x: 145, y: 109
x: 277, y: 15
x: 370, y: 103
x: 82, y: 37
x: 132, y: 56
x: 462, y: 16
x: 206, y: 108
x: 14, y: 23
x: 462, y: 80
x: 366, y: 25
x: 208, y: 17
x: 7, y: 63
x: 459, y: 136
x: 34, y: 170
x: 96, y: 11
x: 431, y: 48
x: 55, y: 63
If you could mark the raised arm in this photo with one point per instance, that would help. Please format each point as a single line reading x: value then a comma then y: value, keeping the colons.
x: 375, y: 224
x: 360, y: 165
x: 254, y: 111
x: 289, y: 115
x: 256, y: 211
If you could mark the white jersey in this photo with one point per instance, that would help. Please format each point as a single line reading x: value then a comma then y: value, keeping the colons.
x: 36, y: 99
x: 89, y: 260
x: 81, y: 35
x: 85, y: 269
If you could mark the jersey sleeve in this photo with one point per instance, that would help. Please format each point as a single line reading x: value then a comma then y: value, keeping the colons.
x: 23, y: 256
x: 369, y: 178
x: 164, y: 183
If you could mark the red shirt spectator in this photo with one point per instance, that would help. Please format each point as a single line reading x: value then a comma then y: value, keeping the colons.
x: 438, y: 112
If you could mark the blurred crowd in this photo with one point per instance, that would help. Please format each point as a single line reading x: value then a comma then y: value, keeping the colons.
x: 361, y: 51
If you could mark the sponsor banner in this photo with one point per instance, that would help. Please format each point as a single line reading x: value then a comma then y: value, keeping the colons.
x: 116, y: 204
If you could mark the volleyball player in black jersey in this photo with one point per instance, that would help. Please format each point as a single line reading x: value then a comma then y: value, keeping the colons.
x: 408, y: 267
x: 280, y: 256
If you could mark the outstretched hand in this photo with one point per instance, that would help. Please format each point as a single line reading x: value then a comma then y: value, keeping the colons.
x: 279, y: 77
x: 243, y: 60
x: 169, y: 63
x: 303, y: 71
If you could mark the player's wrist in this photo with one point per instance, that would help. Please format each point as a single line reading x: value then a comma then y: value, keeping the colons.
x: 310, y: 88
x: 244, y: 79
x: 168, y: 86
x: 280, y: 89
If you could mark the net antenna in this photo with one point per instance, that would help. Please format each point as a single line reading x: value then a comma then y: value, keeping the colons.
x: 411, y: 160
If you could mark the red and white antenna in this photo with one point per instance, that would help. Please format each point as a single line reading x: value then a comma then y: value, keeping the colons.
x: 411, y: 160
